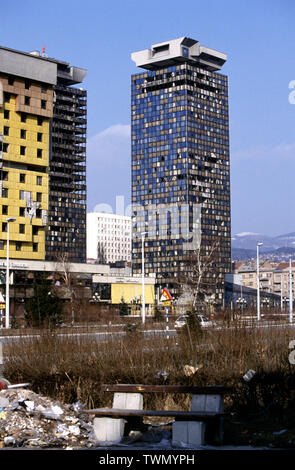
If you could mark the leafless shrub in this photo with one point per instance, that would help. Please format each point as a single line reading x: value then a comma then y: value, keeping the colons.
x: 70, y: 367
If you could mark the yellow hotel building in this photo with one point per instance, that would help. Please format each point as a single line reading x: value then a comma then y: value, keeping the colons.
x: 25, y: 110
x: 43, y: 120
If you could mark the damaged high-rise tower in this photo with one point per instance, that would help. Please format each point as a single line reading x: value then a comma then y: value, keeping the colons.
x: 42, y: 157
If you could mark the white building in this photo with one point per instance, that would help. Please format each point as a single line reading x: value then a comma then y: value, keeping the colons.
x: 108, y: 237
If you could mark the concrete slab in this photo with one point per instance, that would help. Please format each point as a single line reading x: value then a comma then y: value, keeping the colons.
x: 190, y: 433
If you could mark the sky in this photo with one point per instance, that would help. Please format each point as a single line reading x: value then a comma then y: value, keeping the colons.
x: 258, y: 37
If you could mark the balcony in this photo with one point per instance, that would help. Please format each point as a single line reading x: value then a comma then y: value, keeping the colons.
x: 69, y: 90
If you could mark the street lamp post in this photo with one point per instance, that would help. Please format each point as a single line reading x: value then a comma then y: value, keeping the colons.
x: 290, y: 293
x: 10, y: 219
x: 142, y: 274
x: 258, y: 282
x: 281, y: 293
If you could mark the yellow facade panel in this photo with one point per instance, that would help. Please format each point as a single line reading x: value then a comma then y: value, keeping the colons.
x: 130, y: 292
x: 25, y: 190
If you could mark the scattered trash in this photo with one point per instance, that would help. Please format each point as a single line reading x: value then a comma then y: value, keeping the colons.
x: 29, y: 405
x: 78, y: 407
x: 8, y: 441
x: 249, y: 375
x: 18, y: 385
x: 31, y: 420
x: 51, y: 413
x: 191, y: 370
x: 3, y: 385
x: 62, y: 431
x: 3, y: 402
x: 75, y: 430
x: 163, y: 374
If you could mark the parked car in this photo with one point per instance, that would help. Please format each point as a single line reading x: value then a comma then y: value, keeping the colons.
x: 205, y: 322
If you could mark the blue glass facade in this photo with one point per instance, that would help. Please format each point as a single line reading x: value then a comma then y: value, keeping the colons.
x: 180, y: 159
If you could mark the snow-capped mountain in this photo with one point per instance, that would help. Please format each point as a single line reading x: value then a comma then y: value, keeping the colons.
x: 249, y: 240
x: 278, y: 248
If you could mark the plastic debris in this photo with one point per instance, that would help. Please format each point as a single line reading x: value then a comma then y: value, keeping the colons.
x: 4, y: 402
x: 4, y: 382
x: 162, y: 374
x: 249, y: 375
x: 191, y: 370
x: 75, y: 430
x: 77, y: 407
x: 3, y: 385
x: 29, y: 405
x: 62, y: 431
x: 18, y: 385
x: 8, y: 441
x: 51, y: 413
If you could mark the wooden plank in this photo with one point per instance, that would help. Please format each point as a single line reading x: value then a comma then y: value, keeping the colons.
x: 186, y: 415
x: 135, y: 388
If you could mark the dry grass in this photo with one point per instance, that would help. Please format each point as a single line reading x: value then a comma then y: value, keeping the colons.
x: 71, y: 368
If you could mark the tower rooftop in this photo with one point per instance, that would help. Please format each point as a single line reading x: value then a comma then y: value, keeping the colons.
x: 36, y: 66
x: 166, y: 54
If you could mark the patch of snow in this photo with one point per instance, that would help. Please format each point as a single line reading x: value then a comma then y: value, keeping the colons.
x: 246, y: 234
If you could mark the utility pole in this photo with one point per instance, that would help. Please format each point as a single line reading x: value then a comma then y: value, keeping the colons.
x: 290, y: 293
x: 258, y: 283
x: 281, y: 292
x: 10, y: 219
x: 142, y: 276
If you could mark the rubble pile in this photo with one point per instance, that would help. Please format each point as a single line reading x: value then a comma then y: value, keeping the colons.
x: 30, y: 420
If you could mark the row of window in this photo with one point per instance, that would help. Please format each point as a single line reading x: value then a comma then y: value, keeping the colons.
x: 27, y: 84
x: 23, y: 133
x: 19, y: 245
x: 172, y: 72
x: 22, y: 210
x: 22, y: 179
x: 23, y: 117
x: 22, y: 149
x: 22, y: 228
x: 27, y: 100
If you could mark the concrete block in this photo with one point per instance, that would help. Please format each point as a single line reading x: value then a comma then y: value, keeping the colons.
x: 207, y: 403
x: 108, y: 430
x: 128, y: 401
x: 190, y: 433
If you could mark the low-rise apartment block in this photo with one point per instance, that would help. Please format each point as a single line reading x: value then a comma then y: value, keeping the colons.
x: 108, y: 237
x: 274, y: 276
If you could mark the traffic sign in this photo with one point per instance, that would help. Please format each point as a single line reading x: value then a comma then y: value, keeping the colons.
x: 166, y: 297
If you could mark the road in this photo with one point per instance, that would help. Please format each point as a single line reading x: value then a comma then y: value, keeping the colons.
x: 148, y: 332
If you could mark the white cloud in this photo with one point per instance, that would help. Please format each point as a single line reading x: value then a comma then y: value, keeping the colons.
x: 282, y: 151
x: 116, y: 130
x: 112, y: 145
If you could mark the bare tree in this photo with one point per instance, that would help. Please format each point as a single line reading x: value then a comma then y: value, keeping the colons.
x: 68, y: 281
x: 200, y: 273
